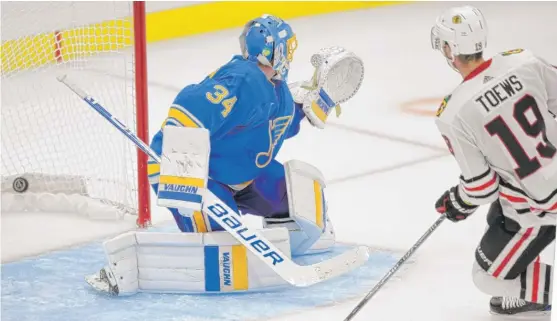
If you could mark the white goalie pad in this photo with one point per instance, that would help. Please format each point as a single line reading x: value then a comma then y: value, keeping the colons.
x: 188, y: 263
x: 307, y: 206
x: 184, y: 167
x: 337, y: 77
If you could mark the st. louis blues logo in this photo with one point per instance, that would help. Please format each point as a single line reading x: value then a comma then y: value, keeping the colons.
x: 277, y: 128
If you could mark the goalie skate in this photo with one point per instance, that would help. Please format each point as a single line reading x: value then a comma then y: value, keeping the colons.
x: 509, y: 306
x: 103, y: 281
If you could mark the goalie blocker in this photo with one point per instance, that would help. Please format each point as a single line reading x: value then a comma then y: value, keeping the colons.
x: 184, y: 168
x: 186, y: 263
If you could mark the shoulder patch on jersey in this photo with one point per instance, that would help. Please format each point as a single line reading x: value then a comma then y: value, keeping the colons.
x: 511, y: 52
x: 443, y: 105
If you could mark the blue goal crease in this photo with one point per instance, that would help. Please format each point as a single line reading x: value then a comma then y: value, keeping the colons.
x: 52, y: 287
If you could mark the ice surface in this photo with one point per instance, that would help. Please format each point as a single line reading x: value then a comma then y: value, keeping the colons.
x: 52, y: 287
x: 386, y: 167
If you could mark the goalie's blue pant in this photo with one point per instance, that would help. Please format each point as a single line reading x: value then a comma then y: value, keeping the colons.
x: 265, y: 196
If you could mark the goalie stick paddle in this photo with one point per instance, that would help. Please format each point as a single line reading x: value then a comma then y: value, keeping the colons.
x: 395, y: 268
x: 296, y: 275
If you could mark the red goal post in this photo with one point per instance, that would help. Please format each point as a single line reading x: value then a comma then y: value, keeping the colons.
x: 140, y: 50
x: 57, y: 155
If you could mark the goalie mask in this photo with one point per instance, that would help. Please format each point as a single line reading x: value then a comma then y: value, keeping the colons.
x: 271, y: 42
x: 459, y: 31
x: 337, y: 77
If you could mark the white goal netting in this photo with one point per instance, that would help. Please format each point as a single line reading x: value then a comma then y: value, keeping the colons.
x: 71, y: 159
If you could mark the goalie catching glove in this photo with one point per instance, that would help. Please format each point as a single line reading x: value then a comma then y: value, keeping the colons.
x: 452, y: 205
x: 337, y: 77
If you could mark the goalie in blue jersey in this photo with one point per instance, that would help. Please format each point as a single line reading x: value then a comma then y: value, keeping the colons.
x: 222, y: 135
x: 248, y: 111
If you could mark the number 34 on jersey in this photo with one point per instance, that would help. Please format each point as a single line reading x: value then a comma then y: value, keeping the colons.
x: 220, y: 95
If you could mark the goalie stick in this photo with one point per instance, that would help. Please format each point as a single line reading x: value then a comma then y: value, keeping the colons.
x: 296, y: 275
x: 395, y: 268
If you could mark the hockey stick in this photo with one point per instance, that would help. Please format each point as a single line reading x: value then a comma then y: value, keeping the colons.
x: 296, y: 275
x: 395, y: 268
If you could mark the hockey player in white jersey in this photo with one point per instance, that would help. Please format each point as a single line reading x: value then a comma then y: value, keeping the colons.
x: 499, y: 125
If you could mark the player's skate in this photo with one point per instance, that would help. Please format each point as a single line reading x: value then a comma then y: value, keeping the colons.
x: 510, y: 306
x: 103, y: 281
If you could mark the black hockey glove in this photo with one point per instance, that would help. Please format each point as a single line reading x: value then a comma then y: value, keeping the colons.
x: 453, y: 206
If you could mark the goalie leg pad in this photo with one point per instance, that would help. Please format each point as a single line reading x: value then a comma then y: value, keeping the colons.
x: 188, y: 263
x: 184, y: 167
x: 307, y: 218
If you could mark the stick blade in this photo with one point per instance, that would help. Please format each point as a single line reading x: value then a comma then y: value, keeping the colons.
x: 333, y: 267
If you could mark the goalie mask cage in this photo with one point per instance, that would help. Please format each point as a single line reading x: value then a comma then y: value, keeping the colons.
x: 57, y: 154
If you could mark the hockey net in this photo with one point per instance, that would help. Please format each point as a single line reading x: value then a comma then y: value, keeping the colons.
x: 57, y: 154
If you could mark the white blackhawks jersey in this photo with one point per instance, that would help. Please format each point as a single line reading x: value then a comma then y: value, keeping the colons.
x: 500, y: 125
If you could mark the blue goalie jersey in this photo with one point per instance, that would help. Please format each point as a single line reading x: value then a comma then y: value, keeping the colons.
x: 247, y: 115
